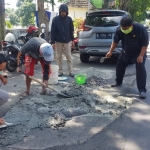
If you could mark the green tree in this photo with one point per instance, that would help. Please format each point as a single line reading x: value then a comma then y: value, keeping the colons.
x: 137, y: 8
x: 12, y: 15
x: 52, y: 2
x: 14, y: 19
x: 26, y: 12
x: 63, y: 1
x: 20, y: 2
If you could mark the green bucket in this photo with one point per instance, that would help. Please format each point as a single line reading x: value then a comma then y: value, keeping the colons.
x: 80, y: 78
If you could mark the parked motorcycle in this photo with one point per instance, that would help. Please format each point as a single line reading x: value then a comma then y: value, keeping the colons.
x: 32, y: 31
x: 43, y: 33
x: 12, y: 49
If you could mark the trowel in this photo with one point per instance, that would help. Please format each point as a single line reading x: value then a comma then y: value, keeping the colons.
x: 59, y: 93
x: 102, y: 59
x: 6, y: 124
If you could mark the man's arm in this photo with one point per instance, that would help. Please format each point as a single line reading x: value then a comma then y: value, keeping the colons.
x: 46, y: 72
x: 145, y: 42
x: 113, y: 46
x: 53, y: 31
x: 71, y: 30
x: 24, y: 49
x: 143, y: 52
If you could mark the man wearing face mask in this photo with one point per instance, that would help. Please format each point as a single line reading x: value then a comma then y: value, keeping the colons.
x: 62, y: 36
x: 134, y: 39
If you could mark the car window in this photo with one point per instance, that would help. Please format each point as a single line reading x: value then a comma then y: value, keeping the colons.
x: 103, y: 20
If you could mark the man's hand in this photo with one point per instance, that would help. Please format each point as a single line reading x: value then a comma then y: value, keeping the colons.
x: 140, y: 59
x: 53, y: 45
x: 3, y: 79
x: 72, y: 45
x: 109, y: 54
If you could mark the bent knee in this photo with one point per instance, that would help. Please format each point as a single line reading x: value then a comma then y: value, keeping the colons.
x: 4, y: 96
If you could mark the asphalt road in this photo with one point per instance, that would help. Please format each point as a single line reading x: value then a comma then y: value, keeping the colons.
x: 131, y: 131
x: 128, y: 132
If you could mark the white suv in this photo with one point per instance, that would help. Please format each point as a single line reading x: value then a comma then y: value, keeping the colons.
x: 98, y: 31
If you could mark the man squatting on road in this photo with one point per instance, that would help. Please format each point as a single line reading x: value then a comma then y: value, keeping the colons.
x: 4, y: 96
x: 36, y: 49
x: 134, y: 39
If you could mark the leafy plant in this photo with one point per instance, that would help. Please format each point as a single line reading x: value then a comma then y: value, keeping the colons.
x: 77, y: 23
x: 8, y: 24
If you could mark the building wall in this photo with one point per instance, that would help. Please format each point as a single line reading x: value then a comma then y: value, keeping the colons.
x: 77, y: 12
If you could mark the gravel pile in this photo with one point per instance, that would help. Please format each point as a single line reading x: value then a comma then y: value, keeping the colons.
x: 73, y: 90
x: 96, y: 81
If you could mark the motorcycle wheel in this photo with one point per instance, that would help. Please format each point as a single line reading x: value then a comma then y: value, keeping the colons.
x: 76, y: 47
x: 11, y: 65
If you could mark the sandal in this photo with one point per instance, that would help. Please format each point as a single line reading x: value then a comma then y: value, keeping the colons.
x: 46, y: 92
x: 2, y: 121
x: 24, y: 95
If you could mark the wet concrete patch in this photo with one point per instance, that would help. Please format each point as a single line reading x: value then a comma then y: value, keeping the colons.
x: 93, y: 101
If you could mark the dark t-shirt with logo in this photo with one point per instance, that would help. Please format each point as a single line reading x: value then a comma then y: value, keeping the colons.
x: 133, y: 42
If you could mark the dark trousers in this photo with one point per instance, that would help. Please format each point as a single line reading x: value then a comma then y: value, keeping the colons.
x: 140, y: 73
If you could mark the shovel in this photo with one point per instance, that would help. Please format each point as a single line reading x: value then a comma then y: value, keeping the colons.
x: 58, y: 92
x: 103, y: 59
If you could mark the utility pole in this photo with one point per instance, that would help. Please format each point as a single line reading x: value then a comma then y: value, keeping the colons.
x: 2, y: 21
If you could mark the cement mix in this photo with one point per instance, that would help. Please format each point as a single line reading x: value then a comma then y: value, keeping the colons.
x: 95, y: 99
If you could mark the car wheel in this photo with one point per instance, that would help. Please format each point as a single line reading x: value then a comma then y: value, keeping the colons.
x: 84, y: 58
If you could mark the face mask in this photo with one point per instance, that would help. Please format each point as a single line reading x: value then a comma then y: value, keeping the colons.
x: 127, y: 31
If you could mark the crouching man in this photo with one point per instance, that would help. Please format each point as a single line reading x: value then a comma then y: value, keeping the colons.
x: 4, y: 96
x: 36, y: 49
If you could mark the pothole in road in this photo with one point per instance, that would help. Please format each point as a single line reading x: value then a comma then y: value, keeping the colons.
x: 53, y: 112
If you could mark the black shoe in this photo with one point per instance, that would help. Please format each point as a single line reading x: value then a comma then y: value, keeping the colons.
x: 143, y: 95
x: 60, y: 75
x: 71, y: 75
x: 116, y: 84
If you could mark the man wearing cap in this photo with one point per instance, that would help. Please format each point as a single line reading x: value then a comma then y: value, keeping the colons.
x: 36, y: 49
x: 62, y: 36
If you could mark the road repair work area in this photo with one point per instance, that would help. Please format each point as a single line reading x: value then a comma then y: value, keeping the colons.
x: 43, y: 121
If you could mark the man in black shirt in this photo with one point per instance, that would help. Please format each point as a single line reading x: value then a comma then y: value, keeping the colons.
x: 134, y: 39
